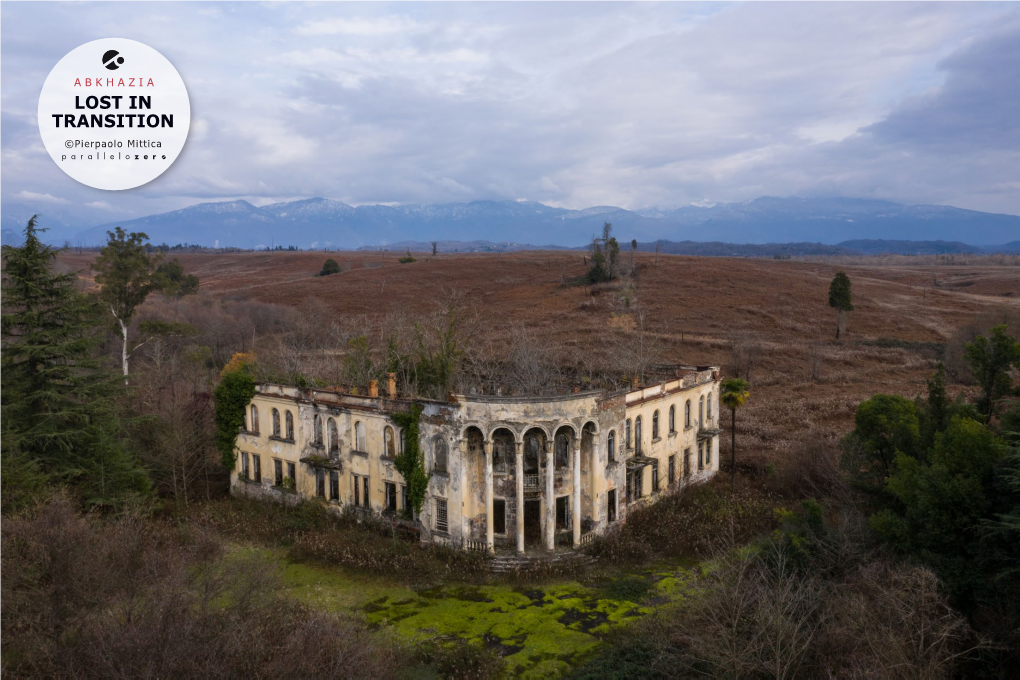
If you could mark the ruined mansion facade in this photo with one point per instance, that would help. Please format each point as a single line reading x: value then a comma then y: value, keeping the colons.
x: 523, y: 474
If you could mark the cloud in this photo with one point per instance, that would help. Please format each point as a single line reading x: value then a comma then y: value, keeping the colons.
x: 571, y: 104
x: 40, y: 198
x: 381, y: 26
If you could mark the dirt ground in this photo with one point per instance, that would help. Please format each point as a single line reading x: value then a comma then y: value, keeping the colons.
x: 805, y: 385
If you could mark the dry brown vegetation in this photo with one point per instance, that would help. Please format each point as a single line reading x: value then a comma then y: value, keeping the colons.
x: 765, y: 318
x: 139, y: 597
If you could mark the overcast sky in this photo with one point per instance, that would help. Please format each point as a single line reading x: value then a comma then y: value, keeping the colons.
x: 573, y: 105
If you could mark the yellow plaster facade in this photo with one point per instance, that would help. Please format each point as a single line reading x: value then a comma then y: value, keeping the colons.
x: 518, y: 473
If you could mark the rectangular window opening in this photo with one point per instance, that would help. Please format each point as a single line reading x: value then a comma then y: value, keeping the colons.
x: 391, y: 497
x: 499, y: 515
x: 442, y: 520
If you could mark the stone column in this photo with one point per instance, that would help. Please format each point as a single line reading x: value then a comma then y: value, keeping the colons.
x: 490, y: 543
x: 464, y: 466
x: 519, y: 469
x: 550, y: 496
x: 576, y: 513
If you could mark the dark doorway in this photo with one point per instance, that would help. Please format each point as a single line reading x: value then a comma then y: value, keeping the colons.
x: 499, y: 515
x: 561, y: 512
x: 533, y: 522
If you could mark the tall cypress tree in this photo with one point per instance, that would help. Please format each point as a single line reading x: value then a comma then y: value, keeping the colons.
x: 59, y: 398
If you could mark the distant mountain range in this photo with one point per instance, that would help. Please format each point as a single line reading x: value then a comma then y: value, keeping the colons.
x: 328, y: 224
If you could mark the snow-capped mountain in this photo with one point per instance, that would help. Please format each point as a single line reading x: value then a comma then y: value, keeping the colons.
x: 325, y: 223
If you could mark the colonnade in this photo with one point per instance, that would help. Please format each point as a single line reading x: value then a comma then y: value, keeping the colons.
x: 549, y: 533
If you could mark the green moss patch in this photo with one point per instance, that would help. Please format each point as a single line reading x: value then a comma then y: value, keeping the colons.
x: 537, y: 631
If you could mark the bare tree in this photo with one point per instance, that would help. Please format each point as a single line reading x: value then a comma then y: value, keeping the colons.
x: 529, y: 367
x: 815, y: 360
x: 746, y: 352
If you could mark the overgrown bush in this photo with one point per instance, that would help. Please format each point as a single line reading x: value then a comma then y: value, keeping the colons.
x: 829, y: 607
x: 137, y: 597
x: 695, y: 522
x: 330, y: 266
x: 311, y: 532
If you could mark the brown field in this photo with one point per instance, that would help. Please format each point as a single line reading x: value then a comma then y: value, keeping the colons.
x: 696, y: 307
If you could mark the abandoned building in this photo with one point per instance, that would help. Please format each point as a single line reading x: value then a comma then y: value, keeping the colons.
x: 524, y: 474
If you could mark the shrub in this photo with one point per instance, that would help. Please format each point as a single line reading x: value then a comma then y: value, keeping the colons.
x: 695, y: 522
x: 140, y: 598
x: 850, y: 613
x: 329, y: 267
x: 406, y: 259
x: 311, y: 532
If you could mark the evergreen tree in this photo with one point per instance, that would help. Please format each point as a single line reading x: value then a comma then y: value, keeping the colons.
x: 840, y: 298
x: 990, y: 360
x: 58, y: 400
x: 173, y: 282
x: 330, y: 266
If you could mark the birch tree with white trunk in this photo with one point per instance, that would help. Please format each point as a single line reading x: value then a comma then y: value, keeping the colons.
x: 124, y: 271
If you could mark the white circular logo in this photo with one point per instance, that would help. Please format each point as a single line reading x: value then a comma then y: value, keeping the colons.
x: 114, y: 114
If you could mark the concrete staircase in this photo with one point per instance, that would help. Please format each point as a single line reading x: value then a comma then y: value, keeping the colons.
x: 507, y: 563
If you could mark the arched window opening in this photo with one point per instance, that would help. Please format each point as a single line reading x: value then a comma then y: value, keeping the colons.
x: 626, y: 437
x: 701, y: 411
x: 534, y: 445
x: 254, y: 418
x: 708, y: 402
x: 318, y: 429
x: 637, y: 435
x: 475, y: 443
x: 334, y: 441
x: 562, y: 451
x: 672, y: 419
x: 389, y: 442
x: 359, y: 437
x: 290, y: 426
x: 439, y: 454
x: 276, y: 423
x: 611, y: 446
x: 655, y: 425
x: 687, y: 413
x: 503, y: 452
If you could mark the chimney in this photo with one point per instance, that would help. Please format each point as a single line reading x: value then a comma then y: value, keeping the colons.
x: 634, y: 382
x: 391, y: 385
x: 373, y: 388
x: 576, y: 389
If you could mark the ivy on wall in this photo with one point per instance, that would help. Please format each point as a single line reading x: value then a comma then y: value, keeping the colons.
x: 233, y: 394
x: 411, y: 462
